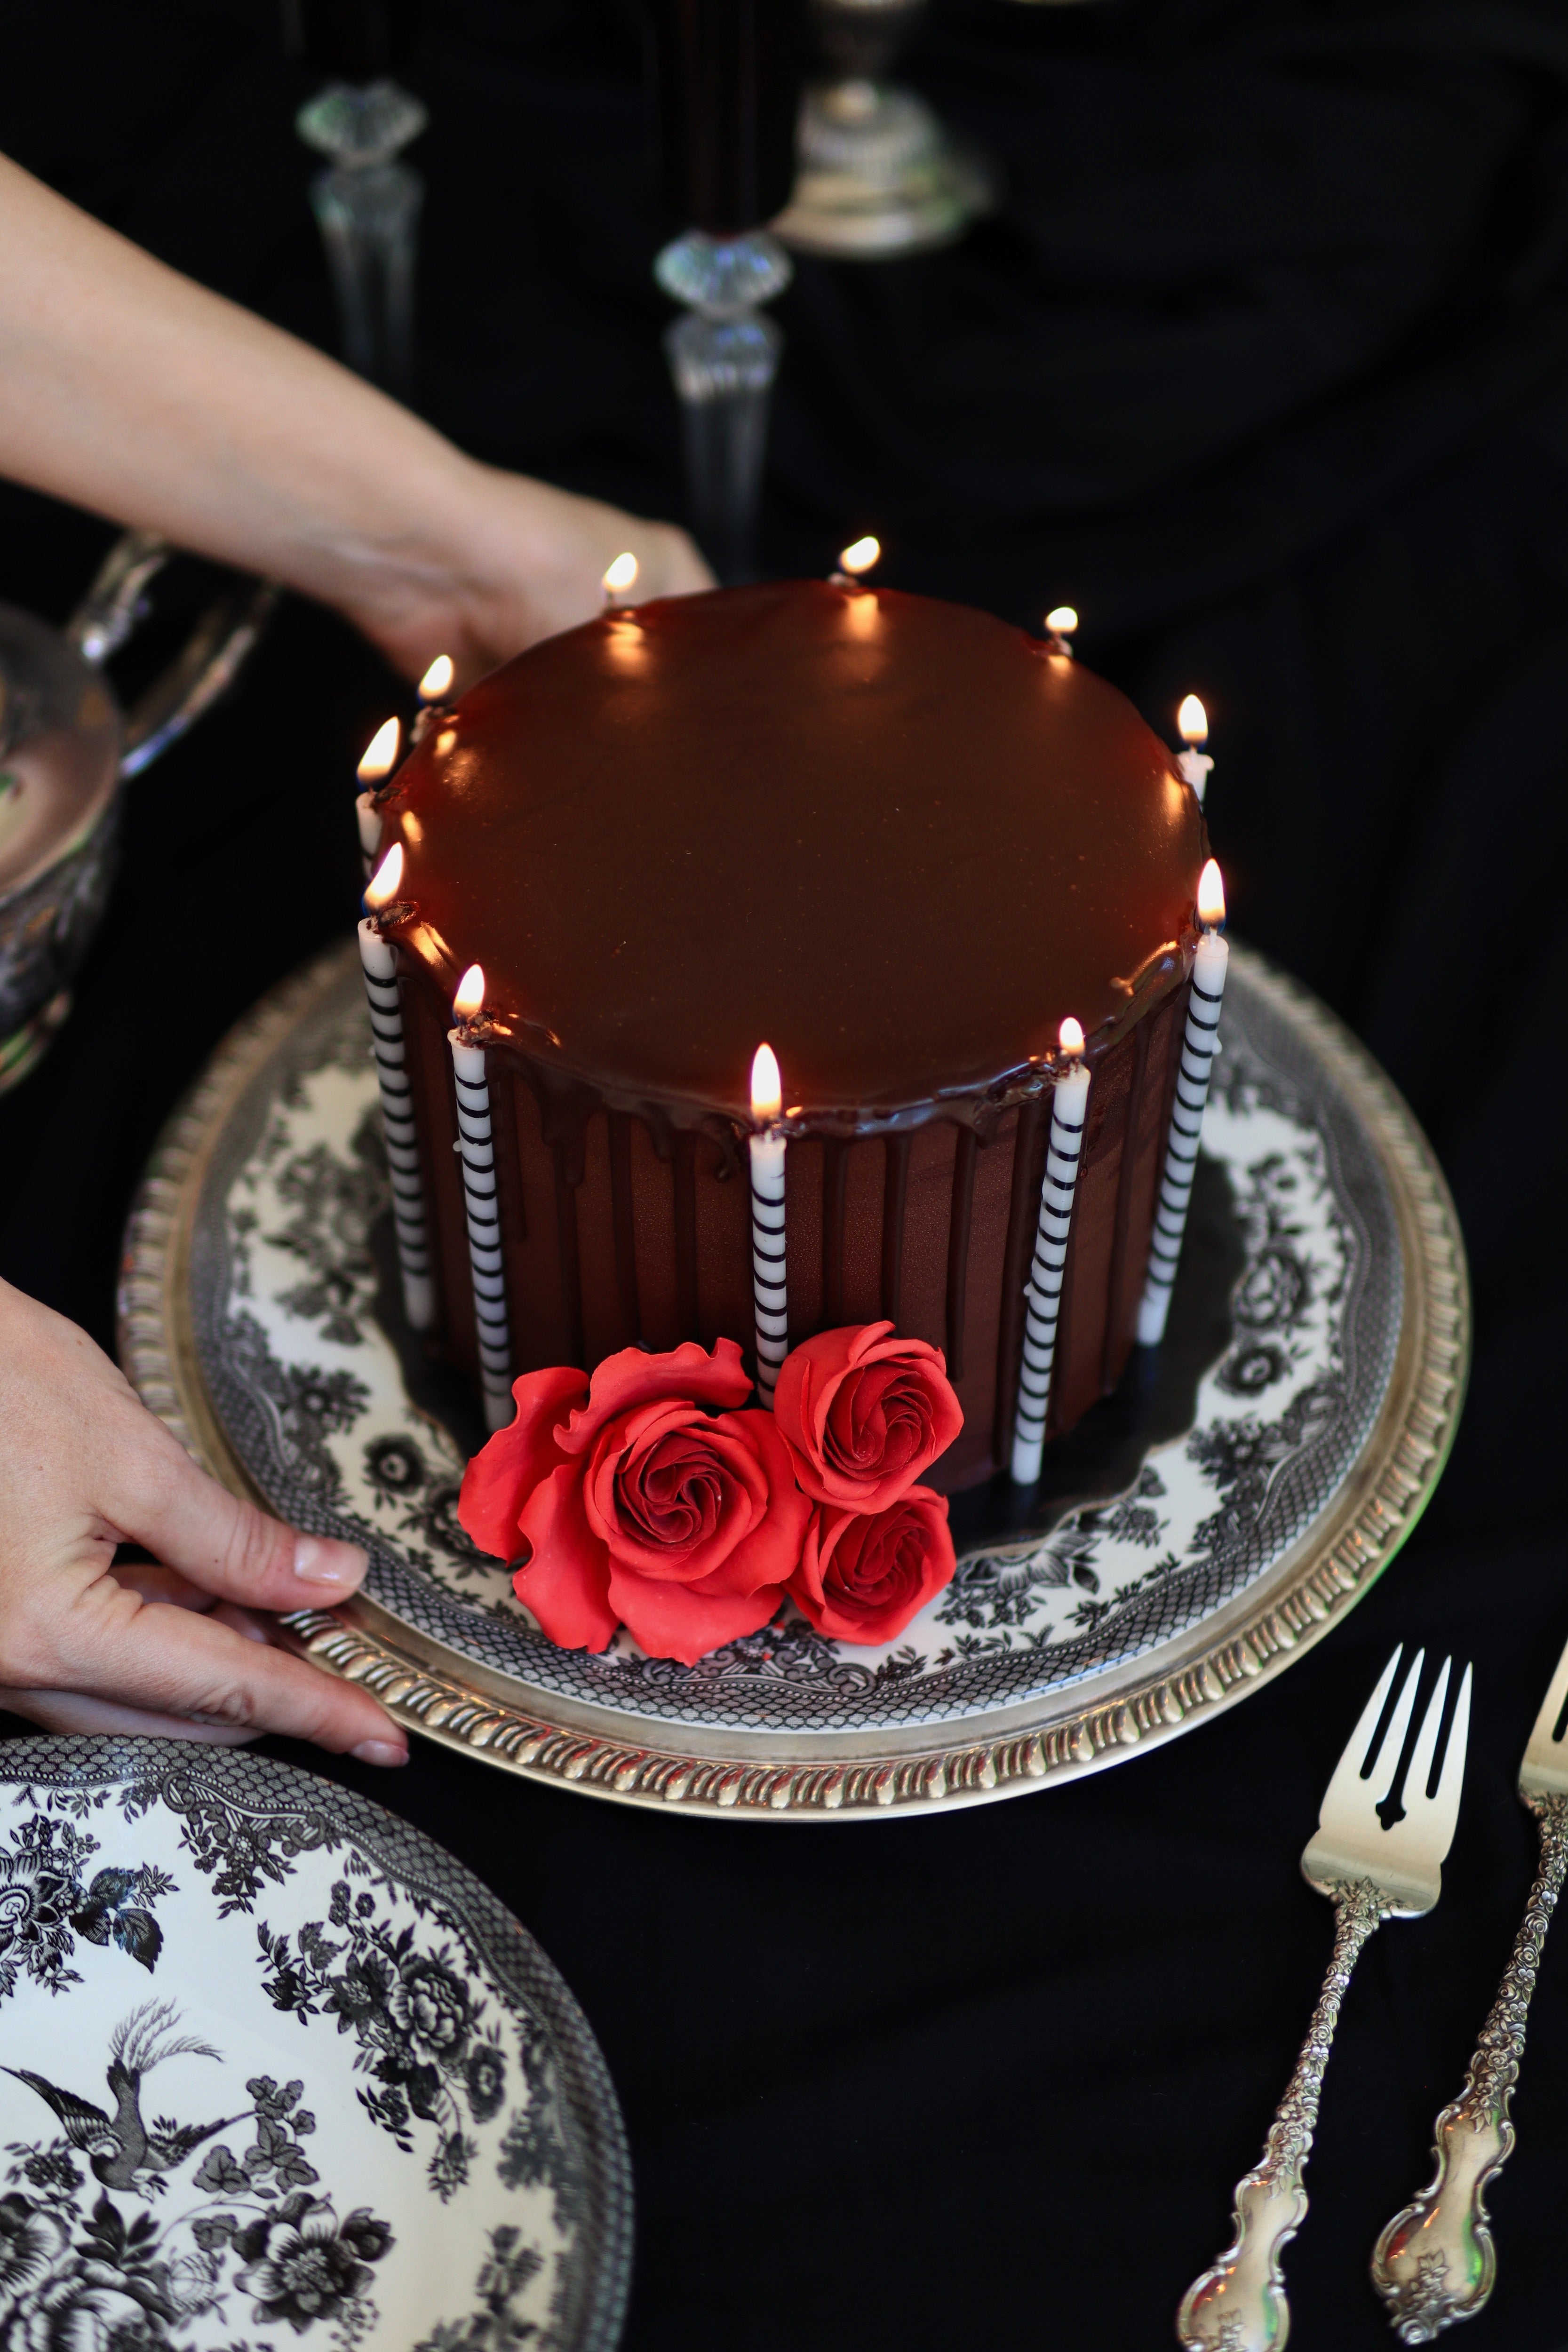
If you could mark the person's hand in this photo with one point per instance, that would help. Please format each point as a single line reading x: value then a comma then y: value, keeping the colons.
x: 523, y: 561
x: 172, y: 1648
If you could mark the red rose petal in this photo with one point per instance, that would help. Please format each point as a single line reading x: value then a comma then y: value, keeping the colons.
x: 565, y: 1579
x: 678, y: 1620
x: 505, y: 1472
x: 633, y: 1377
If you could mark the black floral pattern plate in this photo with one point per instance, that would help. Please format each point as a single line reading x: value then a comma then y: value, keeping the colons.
x: 1197, y: 1530
x: 292, y: 2077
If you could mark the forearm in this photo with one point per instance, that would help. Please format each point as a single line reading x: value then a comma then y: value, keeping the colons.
x: 129, y: 390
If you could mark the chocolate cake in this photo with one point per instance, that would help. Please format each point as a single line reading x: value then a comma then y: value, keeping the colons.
x: 897, y: 839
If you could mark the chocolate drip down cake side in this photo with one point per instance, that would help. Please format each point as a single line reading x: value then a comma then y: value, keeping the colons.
x: 897, y: 839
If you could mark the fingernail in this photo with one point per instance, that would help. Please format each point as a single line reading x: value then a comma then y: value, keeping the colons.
x: 325, y: 1563
x: 379, y: 1751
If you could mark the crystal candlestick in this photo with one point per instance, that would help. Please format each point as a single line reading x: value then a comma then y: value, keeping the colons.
x: 723, y: 356
x: 367, y: 208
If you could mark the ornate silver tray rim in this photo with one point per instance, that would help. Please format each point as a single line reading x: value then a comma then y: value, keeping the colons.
x: 874, y: 1774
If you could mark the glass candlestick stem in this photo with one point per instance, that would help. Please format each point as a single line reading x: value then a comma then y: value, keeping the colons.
x: 723, y: 355
x: 367, y: 208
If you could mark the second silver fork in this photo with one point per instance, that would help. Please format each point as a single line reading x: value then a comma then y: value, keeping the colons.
x: 1371, y: 1871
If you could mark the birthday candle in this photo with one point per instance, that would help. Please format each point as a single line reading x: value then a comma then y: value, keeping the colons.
x: 379, y: 959
x: 858, y: 557
x: 770, y: 1288
x: 1199, y: 1046
x: 379, y: 759
x: 1193, y: 726
x: 620, y: 579
x: 477, y: 1151
x: 1064, y: 1152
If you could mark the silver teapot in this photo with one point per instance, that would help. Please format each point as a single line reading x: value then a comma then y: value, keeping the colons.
x: 67, y: 752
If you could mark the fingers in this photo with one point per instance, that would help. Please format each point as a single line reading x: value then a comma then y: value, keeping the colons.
x: 100, y: 1718
x: 108, y: 1644
x: 218, y: 1543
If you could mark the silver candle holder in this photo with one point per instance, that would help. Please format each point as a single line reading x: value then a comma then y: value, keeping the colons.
x: 877, y: 172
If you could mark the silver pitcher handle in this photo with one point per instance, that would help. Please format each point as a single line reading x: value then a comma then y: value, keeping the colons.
x: 218, y: 645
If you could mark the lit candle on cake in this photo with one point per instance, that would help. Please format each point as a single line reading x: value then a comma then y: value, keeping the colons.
x: 379, y: 958
x: 1199, y: 1047
x: 769, y: 1280
x: 476, y: 1148
x: 1070, y: 1109
x: 377, y: 764
x: 620, y: 579
x: 1060, y: 623
x: 1193, y: 726
x: 436, y: 682
x: 856, y: 558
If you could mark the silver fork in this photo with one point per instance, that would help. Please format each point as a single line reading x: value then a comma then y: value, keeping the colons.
x: 1436, y: 2261
x: 1370, y: 1873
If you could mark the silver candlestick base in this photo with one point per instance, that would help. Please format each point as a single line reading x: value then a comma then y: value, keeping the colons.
x: 723, y: 356
x: 879, y: 175
x: 367, y: 208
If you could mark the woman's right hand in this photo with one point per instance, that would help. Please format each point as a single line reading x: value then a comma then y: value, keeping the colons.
x: 185, y: 1647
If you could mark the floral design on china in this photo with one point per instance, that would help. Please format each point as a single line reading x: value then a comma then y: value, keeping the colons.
x: 425, y: 2044
x: 649, y: 1496
x: 1322, y: 1315
x: 47, y: 1901
x: 160, y: 2194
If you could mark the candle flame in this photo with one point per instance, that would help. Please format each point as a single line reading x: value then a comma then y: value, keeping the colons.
x: 767, y: 1088
x: 470, y: 995
x: 381, y: 754
x: 621, y: 574
x: 437, y: 679
x: 1211, y: 896
x: 1071, y: 1035
x: 1193, y: 720
x: 386, y: 881
x: 1061, y: 620
x: 860, y: 554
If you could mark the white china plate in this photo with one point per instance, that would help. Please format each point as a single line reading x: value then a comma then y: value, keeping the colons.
x: 279, y: 2072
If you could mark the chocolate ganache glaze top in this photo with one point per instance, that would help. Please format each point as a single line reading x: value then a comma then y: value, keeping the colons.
x: 899, y: 839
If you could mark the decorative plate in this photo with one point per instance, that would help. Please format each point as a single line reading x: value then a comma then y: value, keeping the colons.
x: 1237, y: 1494
x: 292, y: 2077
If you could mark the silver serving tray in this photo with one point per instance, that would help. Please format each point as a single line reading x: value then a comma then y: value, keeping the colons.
x: 258, y: 1319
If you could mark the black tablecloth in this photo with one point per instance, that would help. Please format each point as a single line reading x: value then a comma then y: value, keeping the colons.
x: 1263, y: 365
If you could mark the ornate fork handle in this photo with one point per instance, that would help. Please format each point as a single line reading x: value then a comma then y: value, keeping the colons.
x: 1436, y: 2261
x: 1239, y: 2304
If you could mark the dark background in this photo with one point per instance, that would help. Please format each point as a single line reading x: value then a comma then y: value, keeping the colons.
x: 1263, y: 365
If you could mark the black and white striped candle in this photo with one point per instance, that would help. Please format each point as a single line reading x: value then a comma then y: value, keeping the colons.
x: 1199, y: 1046
x: 770, y: 1280
x: 377, y: 764
x: 476, y: 1150
x: 379, y: 959
x: 1193, y: 726
x: 1064, y: 1155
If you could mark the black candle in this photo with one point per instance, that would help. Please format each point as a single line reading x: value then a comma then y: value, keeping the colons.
x: 727, y: 79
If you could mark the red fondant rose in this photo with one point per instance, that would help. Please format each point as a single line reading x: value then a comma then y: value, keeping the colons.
x: 863, y: 1576
x: 865, y: 1412
x: 641, y: 1508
